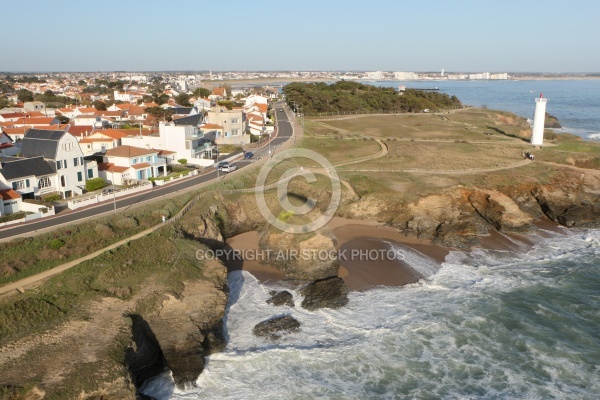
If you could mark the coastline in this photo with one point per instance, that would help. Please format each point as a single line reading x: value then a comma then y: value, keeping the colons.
x: 362, y: 274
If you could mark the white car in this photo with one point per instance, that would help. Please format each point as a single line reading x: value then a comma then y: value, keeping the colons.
x: 228, y: 168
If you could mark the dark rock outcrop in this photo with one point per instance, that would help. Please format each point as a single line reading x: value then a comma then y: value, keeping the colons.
x: 144, y: 358
x: 181, y: 331
x: 275, y: 328
x: 571, y: 209
x: 188, y: 329
x: 330, y: 292
x: 283, y: 298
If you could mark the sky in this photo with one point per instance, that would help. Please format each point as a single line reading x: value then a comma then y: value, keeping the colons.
x: 282, y: 35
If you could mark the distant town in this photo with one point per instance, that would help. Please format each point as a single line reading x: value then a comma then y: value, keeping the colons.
x: 69, y: 135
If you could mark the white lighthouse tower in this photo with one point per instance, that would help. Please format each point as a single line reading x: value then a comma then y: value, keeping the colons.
x: 537, y: 134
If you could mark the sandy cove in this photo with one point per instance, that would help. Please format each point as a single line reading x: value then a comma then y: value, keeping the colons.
x: 363, y: 274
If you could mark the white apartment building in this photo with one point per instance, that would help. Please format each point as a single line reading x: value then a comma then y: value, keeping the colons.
x: 184, y: 140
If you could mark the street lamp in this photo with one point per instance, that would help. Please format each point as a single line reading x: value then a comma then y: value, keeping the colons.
x: 113, y: 188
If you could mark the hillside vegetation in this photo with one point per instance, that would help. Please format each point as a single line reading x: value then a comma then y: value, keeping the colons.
x: 344, y: 96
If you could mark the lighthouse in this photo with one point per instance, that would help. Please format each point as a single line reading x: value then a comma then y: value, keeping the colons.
x: 537, y: 134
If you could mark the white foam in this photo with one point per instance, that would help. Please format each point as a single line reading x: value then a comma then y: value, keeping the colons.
x: 454, y: 335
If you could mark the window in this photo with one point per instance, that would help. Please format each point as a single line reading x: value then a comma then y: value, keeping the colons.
x: 26, y: 182
x: 187, y: 144
x: 75, y: 161
x: 234, y: 120
x: 134, y: 161
x: 79, y: 176
x: 64, y: 163
x: 18, y: 185
x: 235, y: 131
x: 44, y: 182
x: 59, y: 164
x: 81, y: 160
x: 90, y: 173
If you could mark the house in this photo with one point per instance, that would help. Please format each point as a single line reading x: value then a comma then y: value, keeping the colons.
x: 29, y: 177
x: 67, y: 112
x: 218, y: 93
x: 192, y: 120
x: 99, y: 141
x: 86, y: 120
x: 39, y: 121
x: 16, y: 134
x: 12, y: 117
x: 184, y: 140
x: 34, y: 106
x: 125, y: 163
x: 202, y: 104
x: 7, y: 146
x: 10, y: 201
x: 62, y: 149
x: 233, y: 123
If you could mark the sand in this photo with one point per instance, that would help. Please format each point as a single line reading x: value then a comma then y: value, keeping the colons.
x: 366, y: 272
x: 359, y: 273
x: 247, y: 243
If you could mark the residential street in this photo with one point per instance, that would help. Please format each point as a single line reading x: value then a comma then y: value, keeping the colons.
x: 285, y: 132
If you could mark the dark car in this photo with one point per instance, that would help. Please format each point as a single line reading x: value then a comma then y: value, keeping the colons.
x: 248, y: 155
x: 222, y: 164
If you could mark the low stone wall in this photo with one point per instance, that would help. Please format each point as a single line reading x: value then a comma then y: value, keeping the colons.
x: 98, y: 198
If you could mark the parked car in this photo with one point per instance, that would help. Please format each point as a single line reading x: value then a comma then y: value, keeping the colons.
x: 229, y: 168
x: 248, y: 155
x: 222, y: 164
x: 108, y: 191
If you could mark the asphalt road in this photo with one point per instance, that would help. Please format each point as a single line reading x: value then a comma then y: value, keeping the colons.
x: 285, y: 132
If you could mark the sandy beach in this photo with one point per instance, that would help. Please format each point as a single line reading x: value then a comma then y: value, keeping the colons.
x: 367, y: 238
x: 359, y: 273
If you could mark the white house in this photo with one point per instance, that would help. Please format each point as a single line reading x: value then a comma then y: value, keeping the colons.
x: 185, y: 140
x: 202, y: 104
x: 10, y: 201
x: 62, y: 149
x: 99, y: 141
x: 29, y: 177
x: 125, y: 163
x: 126, y: 97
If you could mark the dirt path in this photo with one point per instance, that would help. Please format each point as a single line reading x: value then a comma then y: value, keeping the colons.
x: 30, y: 280
x: 518, y: 164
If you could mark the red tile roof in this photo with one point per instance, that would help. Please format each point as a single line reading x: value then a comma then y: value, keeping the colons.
x: 9, y: 194
x: 110, y: 167
x: 141, y: 165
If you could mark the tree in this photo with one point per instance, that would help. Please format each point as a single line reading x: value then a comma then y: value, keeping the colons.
x: 183, y: 99
x: 161, y: 98
x: 82, y: 83
x: 201, y: 93
x: 24, y: 95
x: 63, y: 119
x: 99, y: 105
x: 4, y: 102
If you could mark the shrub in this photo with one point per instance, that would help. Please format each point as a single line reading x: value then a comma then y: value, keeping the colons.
x: 182, y: 161
x: 94, y: 184
x: 51, y: 197
x: 56, y: 244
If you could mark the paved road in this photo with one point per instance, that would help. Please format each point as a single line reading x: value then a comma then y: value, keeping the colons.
x: 285, y: 132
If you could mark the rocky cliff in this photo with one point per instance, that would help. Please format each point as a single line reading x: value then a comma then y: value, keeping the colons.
x: 459, y: 216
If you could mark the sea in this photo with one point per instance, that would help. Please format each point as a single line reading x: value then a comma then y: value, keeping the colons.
x: 488, y: 324
x: 576, y: 103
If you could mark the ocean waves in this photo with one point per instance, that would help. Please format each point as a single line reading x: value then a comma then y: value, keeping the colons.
x: 488, y: 324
